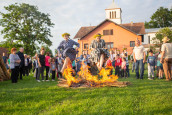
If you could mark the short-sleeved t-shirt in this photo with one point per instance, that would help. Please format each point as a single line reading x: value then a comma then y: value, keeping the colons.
x: 167, y: 48
x: 42, y: 59
x: 139, y: 52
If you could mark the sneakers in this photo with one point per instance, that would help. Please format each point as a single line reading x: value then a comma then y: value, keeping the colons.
x: 149, y: 78
x: 47, y: 80
x: 38, y: 81
x: 43, y: 80
x: 53, y: 80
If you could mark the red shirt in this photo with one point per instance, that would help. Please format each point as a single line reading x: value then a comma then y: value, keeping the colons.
x: 118, y: 62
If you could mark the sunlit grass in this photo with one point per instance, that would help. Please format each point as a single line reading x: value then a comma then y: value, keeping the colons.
x: 30, y: 97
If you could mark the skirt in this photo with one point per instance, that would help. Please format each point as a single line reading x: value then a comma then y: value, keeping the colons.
x: 70, y: 52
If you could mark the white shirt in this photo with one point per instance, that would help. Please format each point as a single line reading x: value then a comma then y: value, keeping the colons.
x: 167, y: 48
x: 112, y: 56
x: 139, y: 52
x: 26, y: 63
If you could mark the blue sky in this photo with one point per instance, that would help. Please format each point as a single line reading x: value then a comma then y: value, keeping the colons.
x: 70, y: 15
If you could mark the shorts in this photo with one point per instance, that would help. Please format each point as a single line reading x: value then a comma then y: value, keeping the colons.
x: 159, y: 68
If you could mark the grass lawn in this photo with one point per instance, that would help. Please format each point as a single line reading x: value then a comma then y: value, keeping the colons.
x: 30, y: 97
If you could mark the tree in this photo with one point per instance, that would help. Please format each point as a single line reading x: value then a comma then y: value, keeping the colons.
x: 161, y: 18
x: 26, y: 25
x: 161, y: 34
x: 9, y: 45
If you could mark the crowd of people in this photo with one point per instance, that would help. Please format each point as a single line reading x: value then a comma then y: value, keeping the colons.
x: 21, y: 64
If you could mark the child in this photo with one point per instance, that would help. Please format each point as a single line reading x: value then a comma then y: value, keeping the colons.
x: 84, y: 63
x: 127, y: 64
x: 118, y: 65
x: 113, y: 64
x: 59, y: 65
x: 84, y: 60
x: 151, y: 64
x: 109, y: 65
x: 35, y: 63
x: 53, y: 68
x: 123, y: 68
x: 41, y: 64
x: 159, y: 67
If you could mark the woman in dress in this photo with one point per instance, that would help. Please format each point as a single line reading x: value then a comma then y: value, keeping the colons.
x: 98, y: 51
x: 67, y: 50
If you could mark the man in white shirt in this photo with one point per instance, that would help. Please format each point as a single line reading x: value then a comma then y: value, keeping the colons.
x: 166, y: 57
x: 139, y: 59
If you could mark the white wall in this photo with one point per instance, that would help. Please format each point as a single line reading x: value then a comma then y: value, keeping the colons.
x: 118, y: 18
x: 152, y: 35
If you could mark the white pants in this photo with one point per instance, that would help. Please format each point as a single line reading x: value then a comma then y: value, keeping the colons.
x: 150, y: 71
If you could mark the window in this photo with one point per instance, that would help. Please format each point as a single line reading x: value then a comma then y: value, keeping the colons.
x: 86, y: 46
x: 142, y: 38
x: 115, y: 14
x: 132, y: 43
x: 85, y: 52
x: 108, y: 32
x: 110, y: 15
x: 148, y: 39
x: 109, y: 45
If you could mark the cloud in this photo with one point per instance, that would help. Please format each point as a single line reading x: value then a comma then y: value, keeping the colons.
x: 70, y: 15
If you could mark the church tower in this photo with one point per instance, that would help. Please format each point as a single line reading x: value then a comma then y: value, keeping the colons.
x: 113, y: 13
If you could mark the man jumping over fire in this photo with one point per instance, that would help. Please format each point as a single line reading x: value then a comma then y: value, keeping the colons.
x: 68, y: 49
x: 99, y: 53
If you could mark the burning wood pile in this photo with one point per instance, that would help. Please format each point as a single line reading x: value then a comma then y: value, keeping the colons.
x: 85, y: 79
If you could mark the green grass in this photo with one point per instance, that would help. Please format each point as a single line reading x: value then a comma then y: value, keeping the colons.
x: 30, y: 97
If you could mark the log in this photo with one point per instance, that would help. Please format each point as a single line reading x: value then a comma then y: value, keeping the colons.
x: 4, y: 75
x: 63, y: 83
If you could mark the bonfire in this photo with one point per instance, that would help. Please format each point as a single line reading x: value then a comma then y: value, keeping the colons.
x: 85, y: 79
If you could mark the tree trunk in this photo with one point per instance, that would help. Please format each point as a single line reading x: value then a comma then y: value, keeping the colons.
x: 4, y: 75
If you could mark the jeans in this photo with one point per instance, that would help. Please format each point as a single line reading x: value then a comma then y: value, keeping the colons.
x: 139, y: 64
x: 53, y: 75
x: 117, y: 71
x: 21, y: 72
x: 36, y: 73
x: 47, y: 71
x: 26, y: 71
x: 150, y: 71
x: 127, y: 70
x: 40, y: 71
x: 133, y: 66
x: 123, y: 73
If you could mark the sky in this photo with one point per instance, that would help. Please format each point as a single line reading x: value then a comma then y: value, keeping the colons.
x: 70, y: 15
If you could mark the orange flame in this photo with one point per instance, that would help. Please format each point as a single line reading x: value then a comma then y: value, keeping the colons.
x: 85, y: 75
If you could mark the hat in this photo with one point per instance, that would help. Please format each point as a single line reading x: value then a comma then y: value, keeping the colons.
x: 65, y: 34
x: 97, y: 35
x: 166, y: 39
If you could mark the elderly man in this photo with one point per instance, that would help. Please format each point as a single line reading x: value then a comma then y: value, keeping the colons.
x: 139, y: 59
x: 166, y: 57
x: 21, y: 66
